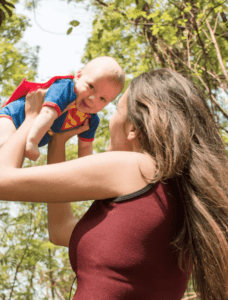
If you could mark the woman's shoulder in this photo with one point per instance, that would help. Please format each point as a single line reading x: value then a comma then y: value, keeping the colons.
x: 147, y: 166
x: 136, y: 169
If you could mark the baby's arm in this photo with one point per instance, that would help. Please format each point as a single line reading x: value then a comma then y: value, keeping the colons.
x: 42, y: 123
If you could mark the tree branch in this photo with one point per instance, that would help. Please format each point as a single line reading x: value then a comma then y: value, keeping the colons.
x: 22, y: 258
x: 217, y: 50
x: 106, y: 5
x: 206, y: 87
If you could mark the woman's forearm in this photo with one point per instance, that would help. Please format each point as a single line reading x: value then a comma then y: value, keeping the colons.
x: 56, y: 156
x: 12, y: 152
x: 59, y: 214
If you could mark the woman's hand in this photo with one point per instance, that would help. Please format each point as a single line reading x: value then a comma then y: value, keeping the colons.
x: 64, y: 136
x: 33, y: 103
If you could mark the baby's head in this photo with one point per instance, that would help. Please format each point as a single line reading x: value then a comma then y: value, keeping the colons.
x: 99, y: 83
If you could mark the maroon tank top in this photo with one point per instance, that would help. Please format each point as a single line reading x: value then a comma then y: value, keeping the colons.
x: 120, y: 249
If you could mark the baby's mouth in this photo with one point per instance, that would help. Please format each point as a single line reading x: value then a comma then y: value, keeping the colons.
x: 83, y: 104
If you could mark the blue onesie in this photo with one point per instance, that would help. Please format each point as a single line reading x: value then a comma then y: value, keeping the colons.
x: 60, y: 94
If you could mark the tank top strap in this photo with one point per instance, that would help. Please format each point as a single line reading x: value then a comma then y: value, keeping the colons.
x: 135, y: 194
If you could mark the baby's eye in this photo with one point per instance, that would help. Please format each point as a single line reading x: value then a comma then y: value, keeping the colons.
x: 103, y: 99
x: 91, y: 86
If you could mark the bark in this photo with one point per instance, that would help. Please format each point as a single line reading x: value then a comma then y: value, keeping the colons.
x: 217, y: 50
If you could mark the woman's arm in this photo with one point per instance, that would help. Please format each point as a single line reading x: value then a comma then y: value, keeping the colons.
x: 97, y: 176
x: 12, y: 152
x: 61, y: 220
x: 84, y: 148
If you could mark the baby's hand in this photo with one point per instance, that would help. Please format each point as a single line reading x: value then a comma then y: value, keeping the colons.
x: 32, y: 151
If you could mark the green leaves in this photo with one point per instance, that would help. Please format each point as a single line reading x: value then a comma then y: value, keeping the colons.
x: 69, y: 30
x: 27, y: 253
x: 4, y: 7
x: 117, y: 3
x: 73, y: 23
x: 155, y: 29
x: 17, y: 60
x: 167, y: 17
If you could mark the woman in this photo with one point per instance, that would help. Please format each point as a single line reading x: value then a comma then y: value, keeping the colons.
x: 164, y: 183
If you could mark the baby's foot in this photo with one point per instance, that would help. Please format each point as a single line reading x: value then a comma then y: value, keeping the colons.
x: 32, y: 151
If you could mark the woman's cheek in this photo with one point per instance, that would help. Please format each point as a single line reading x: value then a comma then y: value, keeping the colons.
x: 110, y: 123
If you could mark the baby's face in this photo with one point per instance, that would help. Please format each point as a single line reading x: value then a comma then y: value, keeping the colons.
x: 94, y: 91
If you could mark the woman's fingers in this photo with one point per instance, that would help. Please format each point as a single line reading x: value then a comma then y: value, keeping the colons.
x: 33, y: 102
x: 66, y: 135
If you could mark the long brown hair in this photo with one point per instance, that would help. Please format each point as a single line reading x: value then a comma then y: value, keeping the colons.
x: 178, y: 130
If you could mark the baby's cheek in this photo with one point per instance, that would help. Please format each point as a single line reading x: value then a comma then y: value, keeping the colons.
x: 99, y: 106
x: 83, y: 91
x: 87, y: 91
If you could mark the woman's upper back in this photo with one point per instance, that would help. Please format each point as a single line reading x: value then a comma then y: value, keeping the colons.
x: 121, y: 250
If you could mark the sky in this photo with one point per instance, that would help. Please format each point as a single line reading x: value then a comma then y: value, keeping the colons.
x: 59, y: 53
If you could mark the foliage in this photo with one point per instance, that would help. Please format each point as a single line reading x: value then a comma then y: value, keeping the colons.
x: 190, y: 37
x: 17, y: 59
x: 73, y: 24
x: 30, y: 266
x: 4, y: 7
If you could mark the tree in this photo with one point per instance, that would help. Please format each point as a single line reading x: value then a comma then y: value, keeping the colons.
x: 17, y: 60
x: 190, y: 37
x: 5, y: 7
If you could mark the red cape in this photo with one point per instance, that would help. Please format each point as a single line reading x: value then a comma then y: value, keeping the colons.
x: 27, y: 86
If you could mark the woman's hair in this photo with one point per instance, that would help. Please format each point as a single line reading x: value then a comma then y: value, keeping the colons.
x: 178, y: 130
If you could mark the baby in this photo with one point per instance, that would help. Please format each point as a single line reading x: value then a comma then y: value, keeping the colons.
x: 68, y: 105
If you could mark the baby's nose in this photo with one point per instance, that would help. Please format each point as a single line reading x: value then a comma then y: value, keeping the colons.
x: 92, y: 97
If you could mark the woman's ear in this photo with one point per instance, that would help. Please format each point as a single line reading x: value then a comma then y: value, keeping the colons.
x: 131, y: 132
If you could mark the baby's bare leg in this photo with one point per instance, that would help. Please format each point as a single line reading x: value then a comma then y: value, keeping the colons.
x: 7, y: 129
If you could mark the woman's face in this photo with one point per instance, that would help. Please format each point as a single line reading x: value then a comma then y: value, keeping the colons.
x: 119, y: 127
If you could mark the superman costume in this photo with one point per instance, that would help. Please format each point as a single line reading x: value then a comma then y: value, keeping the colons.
x: 60, y: 94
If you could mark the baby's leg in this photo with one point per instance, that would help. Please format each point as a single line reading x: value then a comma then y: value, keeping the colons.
x: 7, y: 129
